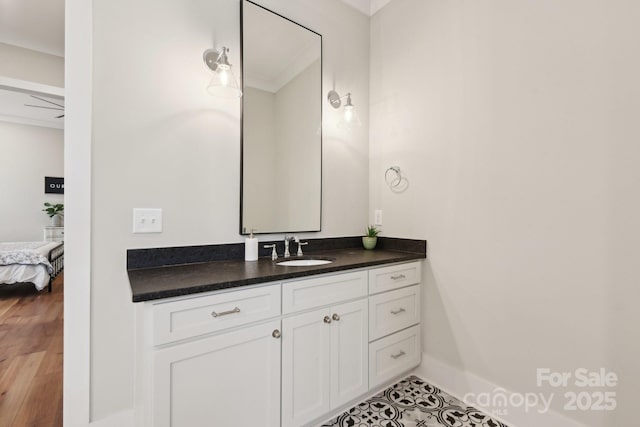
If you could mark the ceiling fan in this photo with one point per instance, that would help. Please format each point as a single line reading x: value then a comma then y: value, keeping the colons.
x: 57, y: 106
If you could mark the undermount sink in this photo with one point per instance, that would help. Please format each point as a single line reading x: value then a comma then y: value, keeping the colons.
x: 304, y: 262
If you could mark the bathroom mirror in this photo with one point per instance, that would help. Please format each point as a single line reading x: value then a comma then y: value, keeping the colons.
x: 281, y: 124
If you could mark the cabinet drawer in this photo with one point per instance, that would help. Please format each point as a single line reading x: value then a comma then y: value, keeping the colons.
x: 316, y: 292
x: 54, y: 234
x: 393, y: 277
x: 391, y: 311
x: 191, y: 317
x: 393, y: 355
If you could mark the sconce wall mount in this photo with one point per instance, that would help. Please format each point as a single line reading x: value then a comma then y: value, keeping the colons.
x: 334, y: 99
x: 349, y: 118
x: 223, y: 83
x: 210, y: 57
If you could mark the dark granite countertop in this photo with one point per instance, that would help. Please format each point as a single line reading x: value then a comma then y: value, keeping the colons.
x: 174, y: 280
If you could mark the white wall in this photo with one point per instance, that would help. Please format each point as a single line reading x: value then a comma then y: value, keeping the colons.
x: 29, y: 153
x: 159, y: 140
x: 516, y: 123
x: 26, y: 64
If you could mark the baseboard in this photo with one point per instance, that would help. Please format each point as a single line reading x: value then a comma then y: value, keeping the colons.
x: 459, y: 384
x: 120, y: 419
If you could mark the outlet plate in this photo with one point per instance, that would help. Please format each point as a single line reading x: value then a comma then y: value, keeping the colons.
x: 147, y: 220
x: 377, y: 217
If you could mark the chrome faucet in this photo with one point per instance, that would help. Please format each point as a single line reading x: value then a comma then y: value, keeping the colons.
x: 274, y: 254
x: 287, y: 240
x: 300, y: 245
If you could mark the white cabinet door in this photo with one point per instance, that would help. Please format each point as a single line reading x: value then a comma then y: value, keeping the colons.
x: 231, y: 379
x: 349, y: 352
x: 325, y: 361
x: 306, y: 364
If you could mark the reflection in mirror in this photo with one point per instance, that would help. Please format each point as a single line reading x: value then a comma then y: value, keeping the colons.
x: 281, y: 124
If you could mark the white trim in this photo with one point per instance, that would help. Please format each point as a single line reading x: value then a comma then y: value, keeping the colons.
x: 376, y: 5
x: 362, y: 6
x: 368, y: 7
x: 459, y: 383
x: 77, y: 160
x: 120, y: 419
x: 31, y: 122
x: 36, y: 47
x: 31, y: 87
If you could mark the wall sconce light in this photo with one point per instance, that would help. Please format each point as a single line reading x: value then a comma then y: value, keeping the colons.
x: 349, y: 117
x: 223, y: 83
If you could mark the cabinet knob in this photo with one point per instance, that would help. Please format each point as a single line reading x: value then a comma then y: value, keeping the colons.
x: 327, y: 319
x: 276, y: 333
x: 336, y: 316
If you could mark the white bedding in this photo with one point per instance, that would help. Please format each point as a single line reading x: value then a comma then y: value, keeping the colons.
x: 23, y: 273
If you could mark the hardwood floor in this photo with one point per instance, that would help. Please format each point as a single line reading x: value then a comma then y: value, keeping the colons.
x: 31, y: 355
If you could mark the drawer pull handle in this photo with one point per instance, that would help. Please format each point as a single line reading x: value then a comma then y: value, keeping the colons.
x: 327, y: 319
x: 276, y: 333
x: 398, y: 311
x: 336, y: 317
x: 224, y: 313
x: 395, y: 356
x: 398, y: 277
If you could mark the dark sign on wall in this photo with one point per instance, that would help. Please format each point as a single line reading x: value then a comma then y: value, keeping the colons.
x: 53, y: 185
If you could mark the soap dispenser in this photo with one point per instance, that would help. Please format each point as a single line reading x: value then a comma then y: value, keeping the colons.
x: 251, y: 247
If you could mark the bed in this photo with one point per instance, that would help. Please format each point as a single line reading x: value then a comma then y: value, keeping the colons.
x: 31, y: 262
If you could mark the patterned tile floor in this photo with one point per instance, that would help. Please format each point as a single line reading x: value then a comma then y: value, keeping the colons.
x: 413, y: 403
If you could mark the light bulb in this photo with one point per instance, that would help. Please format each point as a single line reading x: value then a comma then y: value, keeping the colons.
x: 223, y: 74
x: 350, y: 117
x: 348, y: 113
x: 223, y: 83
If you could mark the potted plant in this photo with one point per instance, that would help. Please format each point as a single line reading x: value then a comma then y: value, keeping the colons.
x: 54, y: 212
x: 370, y: 239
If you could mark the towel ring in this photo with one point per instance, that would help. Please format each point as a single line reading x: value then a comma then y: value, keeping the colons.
x: 394, y: 179
x: 393, y: 176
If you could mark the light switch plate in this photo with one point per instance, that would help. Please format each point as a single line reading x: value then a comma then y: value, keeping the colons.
x: 147, y: 220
